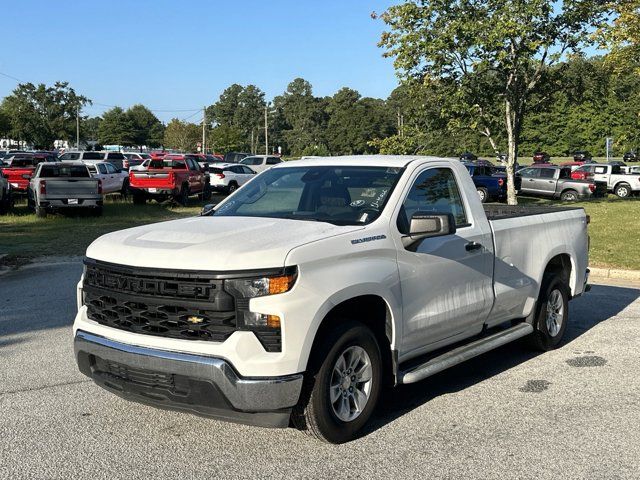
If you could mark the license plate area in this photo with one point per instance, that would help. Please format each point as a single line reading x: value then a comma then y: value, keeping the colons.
x: 72, y: 201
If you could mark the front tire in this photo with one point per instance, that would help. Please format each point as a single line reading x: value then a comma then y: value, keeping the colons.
x: 552, y: 314
x: 342, y: 386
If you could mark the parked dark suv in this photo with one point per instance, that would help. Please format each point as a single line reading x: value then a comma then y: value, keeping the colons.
x: 468, y: 157
x: 630, y: 157
x: 541, y: 157
x: 582, y: 156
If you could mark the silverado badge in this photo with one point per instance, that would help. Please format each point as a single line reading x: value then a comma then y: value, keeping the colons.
x: 195, y: 320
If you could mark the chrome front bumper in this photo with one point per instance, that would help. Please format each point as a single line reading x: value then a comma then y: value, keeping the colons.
x: 207, y: 386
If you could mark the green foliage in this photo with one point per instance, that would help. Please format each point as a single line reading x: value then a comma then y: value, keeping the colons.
x: 89, y: 128
x: 5, y: 123
x: 116, y: 128
x: 40, y: 115
x: 183, y: 136
x: 147, y: 129
x: 241, y: 110
x: 226, y: 138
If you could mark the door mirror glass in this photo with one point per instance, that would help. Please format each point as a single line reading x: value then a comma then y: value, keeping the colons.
x: 426, y: 225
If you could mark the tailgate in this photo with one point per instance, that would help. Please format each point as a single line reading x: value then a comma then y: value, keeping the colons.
x: 18, y: 175
x: 71, y: 187
x: 163, y: 179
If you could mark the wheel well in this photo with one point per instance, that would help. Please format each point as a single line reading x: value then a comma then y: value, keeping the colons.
x: 372, y: 311
x: 560, y: 265
x: 621, y: 182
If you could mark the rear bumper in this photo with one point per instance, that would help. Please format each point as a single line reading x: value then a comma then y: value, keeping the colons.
x: 59, y: 204
x: 207, y: 386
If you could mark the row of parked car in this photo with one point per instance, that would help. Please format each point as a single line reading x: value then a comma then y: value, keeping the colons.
x: 80, y: 179
x: 564, y: 182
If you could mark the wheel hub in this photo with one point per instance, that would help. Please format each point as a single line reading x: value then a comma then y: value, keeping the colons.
x: 555, y: 312
x: 350, y: 384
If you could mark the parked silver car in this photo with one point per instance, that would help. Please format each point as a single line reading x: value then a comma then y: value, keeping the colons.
x: 64, y: 186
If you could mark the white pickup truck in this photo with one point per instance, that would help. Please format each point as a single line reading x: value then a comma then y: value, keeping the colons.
x: 318, y: 283
x: 618, y: 181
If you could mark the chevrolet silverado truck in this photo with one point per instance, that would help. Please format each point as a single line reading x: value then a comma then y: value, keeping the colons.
x: 20, y: 167
x: 64, y: 186
x: 175, y: 176
x: 491, y: 185
x: 318, y: 283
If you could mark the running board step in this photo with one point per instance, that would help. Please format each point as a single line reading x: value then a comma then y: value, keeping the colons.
x: 464, y: 353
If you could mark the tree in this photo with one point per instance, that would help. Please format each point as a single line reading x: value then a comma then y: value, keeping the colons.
x: 224, y: 138
x: 147, y: 129
x: 304, y: 116
x: 40, y: 115
x: 89, y: 128
x: 116, y: 128
x: 183, y: 136
x: 622, y: 35
x: 477, y: 54
x: 5, y: 123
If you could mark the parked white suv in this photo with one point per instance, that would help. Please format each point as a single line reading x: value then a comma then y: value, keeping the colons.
x: 113, y: 179
x: 117, y: 158
x: 228, y: 177
x: 260, y: 163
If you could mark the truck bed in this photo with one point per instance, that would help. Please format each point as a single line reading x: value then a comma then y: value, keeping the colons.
x: 499, y: 212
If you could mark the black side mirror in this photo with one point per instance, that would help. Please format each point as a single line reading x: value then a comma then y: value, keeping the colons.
x: 428, y: 225
x: 208, y: 209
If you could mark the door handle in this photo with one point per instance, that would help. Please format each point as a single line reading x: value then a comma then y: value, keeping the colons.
x: 550, y: 181
x: 531, y: 180
x: 472, y: 246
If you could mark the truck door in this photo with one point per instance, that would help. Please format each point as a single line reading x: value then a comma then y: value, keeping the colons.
x: 547, y: 181
x: 446, y: 281
x: 601, y: 174
x: 530, y: 177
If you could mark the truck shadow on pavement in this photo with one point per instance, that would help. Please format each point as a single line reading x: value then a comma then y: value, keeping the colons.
x: 601, y: 304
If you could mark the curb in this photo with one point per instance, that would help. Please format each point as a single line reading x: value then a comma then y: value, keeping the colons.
x: 615, y: 273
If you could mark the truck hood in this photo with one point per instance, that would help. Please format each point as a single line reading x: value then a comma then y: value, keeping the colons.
x: 211, y: 243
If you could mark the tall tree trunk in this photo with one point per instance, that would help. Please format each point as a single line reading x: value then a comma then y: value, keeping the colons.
x: 512, y: 140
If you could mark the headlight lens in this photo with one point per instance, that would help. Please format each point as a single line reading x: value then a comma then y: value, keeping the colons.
x: 259, y: 287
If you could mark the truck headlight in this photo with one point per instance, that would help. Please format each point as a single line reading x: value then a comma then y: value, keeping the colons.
x: 261, y: 286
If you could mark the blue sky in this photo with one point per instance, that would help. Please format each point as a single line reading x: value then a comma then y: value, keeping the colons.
x: 175, y: 55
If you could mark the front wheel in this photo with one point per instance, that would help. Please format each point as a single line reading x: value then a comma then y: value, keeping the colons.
x: 552, y: 314
x: 342, y: 386
x: 623, y: 190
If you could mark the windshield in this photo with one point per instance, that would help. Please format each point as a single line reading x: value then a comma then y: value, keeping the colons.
x: 333, y: 194
x: 53, y: 171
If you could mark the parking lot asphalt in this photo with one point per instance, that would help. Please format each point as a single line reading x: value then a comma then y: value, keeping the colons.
x: 511, y: 413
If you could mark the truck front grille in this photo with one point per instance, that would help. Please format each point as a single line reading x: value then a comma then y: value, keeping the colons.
x: 167, y: 303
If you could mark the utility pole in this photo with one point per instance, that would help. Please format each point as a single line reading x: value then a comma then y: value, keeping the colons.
x: 266, y: 130
x: 77, y: 127
x: 204, y: 134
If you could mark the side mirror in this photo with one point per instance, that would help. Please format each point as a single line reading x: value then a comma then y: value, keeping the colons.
x: 208, y: 209
x: 427, y: 225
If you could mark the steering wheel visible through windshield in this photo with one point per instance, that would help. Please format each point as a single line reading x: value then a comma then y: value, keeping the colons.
x: 342, y: 195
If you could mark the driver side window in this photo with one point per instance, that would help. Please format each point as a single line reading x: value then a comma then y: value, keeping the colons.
x: 434, y: 191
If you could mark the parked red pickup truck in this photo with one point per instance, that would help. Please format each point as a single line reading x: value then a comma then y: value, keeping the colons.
x: 20, y: 167
x: 175, y: 176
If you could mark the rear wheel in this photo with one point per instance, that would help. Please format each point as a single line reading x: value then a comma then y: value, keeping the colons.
x: 569, y: 196
x: 5, y: 203
x: 124, y: 191
x: 483, y: 193
x: 552, y: 314
x: 623, y: 190
x: 96, y: 212
x: 342, y: 386
x: 233, y: 186
x: 206, y: 192
x: 183, y: 196
x: 139, y: 198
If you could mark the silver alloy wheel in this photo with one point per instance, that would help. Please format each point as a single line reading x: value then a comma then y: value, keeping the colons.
x: 555, y: 312
x: 481, y: 194
x: 623, y: 191
x: 570, y: 197
x: 350, y: 384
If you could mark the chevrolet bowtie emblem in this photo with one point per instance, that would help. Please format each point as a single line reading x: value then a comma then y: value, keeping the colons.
x: 195, y: 320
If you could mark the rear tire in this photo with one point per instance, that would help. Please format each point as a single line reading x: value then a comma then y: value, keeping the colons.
x: 96, y: 212
x: 206, y: 193
x: 233, y: 186
x: 183, y: 196
x: 623, y: 190
x: 125, y: 191
x: 483, y: 193
x: 552, y: 314
x: 569, y: 196
x: 139, y: 198
x: 342, y: 385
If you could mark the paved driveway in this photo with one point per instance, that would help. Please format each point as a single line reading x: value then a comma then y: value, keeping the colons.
x: 570, y: 413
